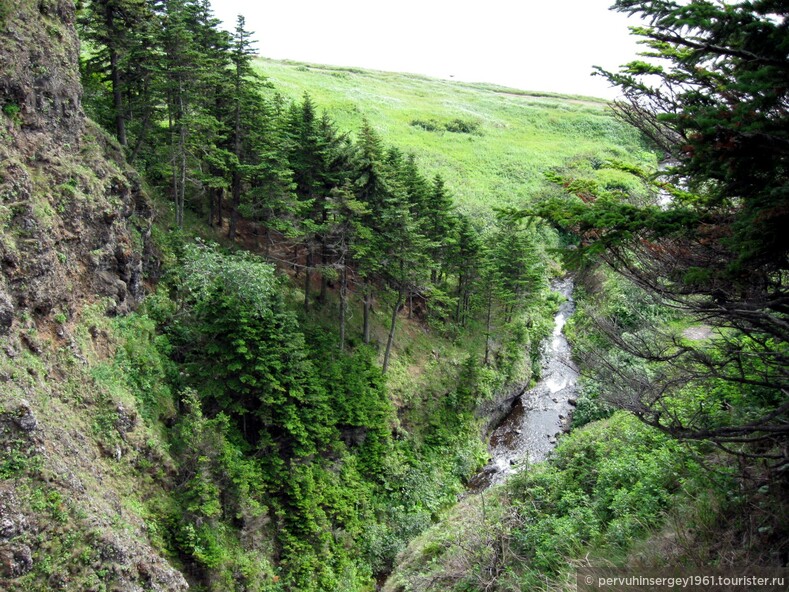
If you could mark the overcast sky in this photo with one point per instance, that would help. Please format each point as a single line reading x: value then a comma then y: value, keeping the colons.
x: 545, y: 45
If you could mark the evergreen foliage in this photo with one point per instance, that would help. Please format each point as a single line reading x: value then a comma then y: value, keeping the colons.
x: 706, y: 235
x: 284, y: 425
x: 278, y: 427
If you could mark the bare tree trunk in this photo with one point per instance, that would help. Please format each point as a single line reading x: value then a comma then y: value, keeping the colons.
x: 219, y: 198
x: 367, y: 304
x: 307, y: 279
x: 212, y: 192
x: 459, y: 307
x: 488, y: 327
x: 395, y: 310
x: 146, y: 125
x: 324, y: 281
x: 181, y: 173
x: 117, y: 99
x: 343, y: 299
x: 235, y: 204
x: 115, y: 78
x: 175, y: 184
x: 324, y: 253
x: 236, y: 180
x: 179, y: 160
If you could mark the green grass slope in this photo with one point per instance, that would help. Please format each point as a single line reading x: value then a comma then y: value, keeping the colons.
x: 505, y: 139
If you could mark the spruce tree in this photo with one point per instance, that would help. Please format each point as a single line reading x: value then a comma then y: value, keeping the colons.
x: 371, y: 188
x: 711, y: 94
x: 180, y: 64
x: 464, y: 260
x: 244, y: 96
x: 440, y: 222
x: 117, y: 28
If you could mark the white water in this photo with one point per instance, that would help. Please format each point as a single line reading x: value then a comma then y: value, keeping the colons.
x: 528, y: 433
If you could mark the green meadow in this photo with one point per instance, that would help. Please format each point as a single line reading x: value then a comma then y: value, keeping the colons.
x: 491, y: 144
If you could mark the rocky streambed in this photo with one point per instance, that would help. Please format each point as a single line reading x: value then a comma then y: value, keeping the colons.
x: 528, y: 432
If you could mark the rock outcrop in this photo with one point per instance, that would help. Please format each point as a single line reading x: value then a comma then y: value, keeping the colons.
x: 74, y: 224
x: 72, y: 215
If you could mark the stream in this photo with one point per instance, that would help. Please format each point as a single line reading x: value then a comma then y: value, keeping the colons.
x: 529, y: 431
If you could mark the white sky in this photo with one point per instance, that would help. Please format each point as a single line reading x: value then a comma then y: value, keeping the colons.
x: 543, y: 45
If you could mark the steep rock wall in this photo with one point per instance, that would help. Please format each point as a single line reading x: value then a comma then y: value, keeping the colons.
x: 73, y: 219
x: 74, y: 232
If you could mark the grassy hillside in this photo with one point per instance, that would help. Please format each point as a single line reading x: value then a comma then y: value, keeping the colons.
x: 505, y: 139
x: 131, y: 462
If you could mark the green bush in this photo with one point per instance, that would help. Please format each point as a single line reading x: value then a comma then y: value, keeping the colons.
x: 606, y: 485
x: 142, y: 362
x: 11, y: 110
x: 460, y: 126
x: 589, y: 406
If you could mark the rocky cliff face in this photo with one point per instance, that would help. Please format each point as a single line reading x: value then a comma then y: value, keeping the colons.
x: 73, y: 219
x: 74, y: 227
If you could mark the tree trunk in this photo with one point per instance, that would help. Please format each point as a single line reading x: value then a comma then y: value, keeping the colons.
x: 211, y: 205
x: 115, y: 78
x: 236, y: 180
x: 488, y: 327
x: 182, y: 174
x: 179, y: 164
x: 175, y: 180
x: 146, y: 125
x: 307, y: 279
x: 367, y: 304
x: 117, y: 99
x: 458, y: 308
x: 343, y: 298
x: 324, y: 281
x: 235, y: 204
x: 392, y: 326
x: 324, y: 253
x: 219, y: 198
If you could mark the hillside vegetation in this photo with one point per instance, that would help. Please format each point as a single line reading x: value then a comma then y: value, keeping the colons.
x: 255, y: 360
x: 491, y: 144
x: 255, y: 315
x: 681, y: 322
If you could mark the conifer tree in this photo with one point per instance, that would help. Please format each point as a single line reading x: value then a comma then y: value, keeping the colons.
x: 243, y: 98
x: 464, y: 261
x: 179, y: 66
x: 115, y: 26
x: 307, y: 162
x: 403, y: 248
x: 519, y: 268
x: 440, y: 221
x: 337, y: 156
x: 346, y: 238
x: 711, y: 94
x: 371, y: 188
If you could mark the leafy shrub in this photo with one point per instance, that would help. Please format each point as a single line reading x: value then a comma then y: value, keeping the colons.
x: 606, y: 485
x: 456, y: 126
x: 12, y: 110
x: 142, y: 363
x: 589, y: 406
x: 461, y: 126
x: 429, y: 125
